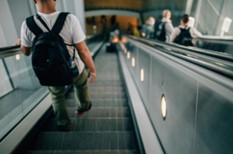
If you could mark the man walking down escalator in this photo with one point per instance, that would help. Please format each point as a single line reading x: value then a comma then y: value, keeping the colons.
x: 72, y: 34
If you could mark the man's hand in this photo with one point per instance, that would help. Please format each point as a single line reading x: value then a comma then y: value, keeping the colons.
x: 18, y: 42
x: 93, y: 77
x: 25, y: 50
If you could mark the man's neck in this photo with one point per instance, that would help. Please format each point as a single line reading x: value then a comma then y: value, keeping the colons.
x: 47, y: 11
x: 47, y: 8
x: 184, y: 25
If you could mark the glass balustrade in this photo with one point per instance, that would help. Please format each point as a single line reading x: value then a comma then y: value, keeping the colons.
x: 20, y: 90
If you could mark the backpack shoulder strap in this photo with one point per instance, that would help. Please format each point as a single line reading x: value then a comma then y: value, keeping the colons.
x: 164, y: 25
x: 33, y: 27
x: 59, y: 22
x: 42, y: 21
x: 181, y: 29
x: 188, y: 32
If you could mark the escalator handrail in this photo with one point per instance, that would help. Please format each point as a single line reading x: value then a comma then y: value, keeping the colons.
x: 9, y: 51
x: 220, y: 39
x: 4, y: 49
x: 173, y: 46
x: 223, y: 69
x: 184, y: 49
x: 13, y: 50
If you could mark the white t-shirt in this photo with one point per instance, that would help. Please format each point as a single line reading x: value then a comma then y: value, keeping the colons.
x: 71, y: 33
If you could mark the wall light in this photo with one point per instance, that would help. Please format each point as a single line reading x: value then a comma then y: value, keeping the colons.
x: 163, y: 107
x: 226, y: 25
x: 128, y: 55
x: 17, y: 57
x: 142, y: 75
x: 133, y: 62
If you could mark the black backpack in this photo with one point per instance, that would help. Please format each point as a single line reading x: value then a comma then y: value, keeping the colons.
x: 51, y: 61
x: 184, y: 38
x: 159, y: 30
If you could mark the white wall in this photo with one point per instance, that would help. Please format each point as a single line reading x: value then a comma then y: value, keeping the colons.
x: 211, y: 14
x: 77, y: 8
x: 7, y: 23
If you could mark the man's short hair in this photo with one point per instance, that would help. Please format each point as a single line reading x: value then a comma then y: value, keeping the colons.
x: 185, y: 18
x: 43, y: 1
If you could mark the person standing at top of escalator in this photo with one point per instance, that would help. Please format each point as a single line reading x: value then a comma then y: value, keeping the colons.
x: 163, y: 27
x: 183, y: 34
x: 147, y: 30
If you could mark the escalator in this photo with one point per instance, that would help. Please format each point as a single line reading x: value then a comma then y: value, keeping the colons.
x: 127, y: 118
x: 106, y: 129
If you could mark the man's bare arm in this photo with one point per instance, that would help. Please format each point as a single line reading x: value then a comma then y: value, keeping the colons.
x: 85, y: 55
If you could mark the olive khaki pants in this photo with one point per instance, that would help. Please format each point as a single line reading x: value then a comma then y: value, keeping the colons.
x: 81, y: 95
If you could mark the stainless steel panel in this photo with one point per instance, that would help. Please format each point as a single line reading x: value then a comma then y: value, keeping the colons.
x: 214, y: 131
x: 144, y: 86
x: 177, y: 130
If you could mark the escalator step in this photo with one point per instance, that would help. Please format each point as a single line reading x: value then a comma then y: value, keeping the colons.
x: 101, y: 124
x: 103, y: 102
x: 107, y: 83
x: 107, y: 87
x: 108, y: 94
x: 85, y: 141
x: 102, y: 112
x: 83, y: 152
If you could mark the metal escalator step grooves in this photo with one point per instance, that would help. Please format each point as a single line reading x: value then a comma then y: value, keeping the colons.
x: 96, y: 140
x: 102, y: 112
x: 103, y: 103
x: 111, y: 124
x: 84, y: 152
x: 105, y: 95
x: 108, y: 124
x: 105, y: 87
x: 106, y: 129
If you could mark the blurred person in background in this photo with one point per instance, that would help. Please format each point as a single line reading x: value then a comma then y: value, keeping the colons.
x: 147, y: 30
x: 183, y: 34
x: 163, y: 27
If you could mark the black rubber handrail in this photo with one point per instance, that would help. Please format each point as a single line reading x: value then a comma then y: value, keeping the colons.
x: 173, y: 46
x: 220, y: 39
x: 216, y: 66
x: 9, y: 51
x: 223, y: 69
x: 8, y: 48
x: 13, y: 50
